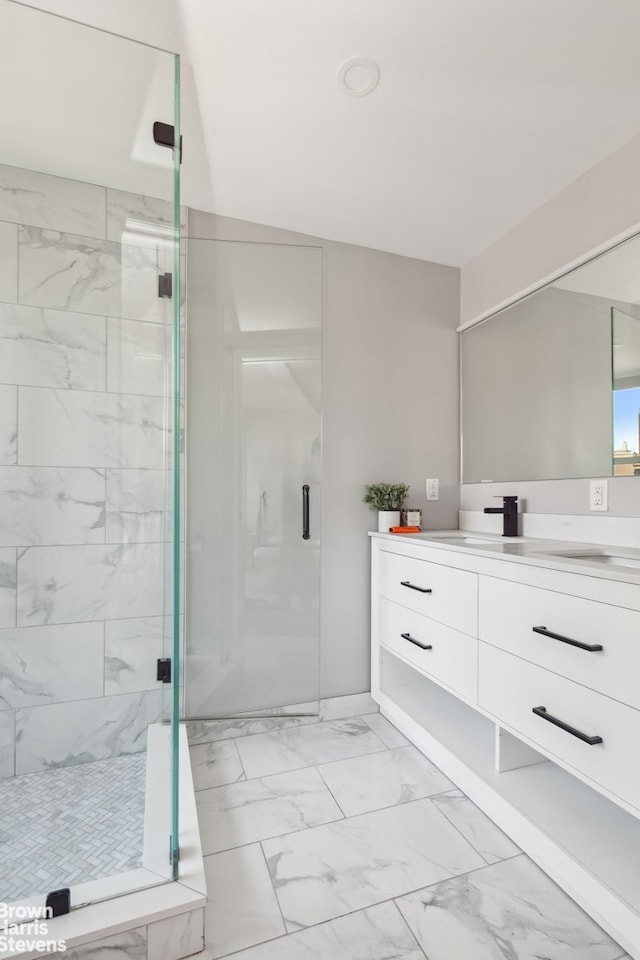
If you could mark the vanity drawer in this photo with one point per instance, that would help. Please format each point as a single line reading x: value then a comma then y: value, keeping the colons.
x: 509, y: 688
x: 508, y: 613
x: 442, y: 593
x: 452, y: 657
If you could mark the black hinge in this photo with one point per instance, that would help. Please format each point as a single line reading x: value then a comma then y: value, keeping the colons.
x: 164, y: 670
x: 165, y: 285
x: 165, y: 135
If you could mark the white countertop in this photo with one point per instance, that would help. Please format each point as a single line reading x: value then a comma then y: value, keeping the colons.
x: 619, y: 566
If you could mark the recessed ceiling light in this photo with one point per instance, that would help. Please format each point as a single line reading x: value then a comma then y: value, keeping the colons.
x: 358, y: 76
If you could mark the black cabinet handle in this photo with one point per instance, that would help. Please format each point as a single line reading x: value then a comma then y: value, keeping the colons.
x: 305, y: 512
x: 412, y: 586
x: 591, y: 647
x: 542, y: 712
x: 423, y: 646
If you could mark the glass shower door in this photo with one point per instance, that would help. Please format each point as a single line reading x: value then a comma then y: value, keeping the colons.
x: 254, y: 468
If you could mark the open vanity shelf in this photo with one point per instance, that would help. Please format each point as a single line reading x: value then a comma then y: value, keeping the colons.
x: 582, y: 833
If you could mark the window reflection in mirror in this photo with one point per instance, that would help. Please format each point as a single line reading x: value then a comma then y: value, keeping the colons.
x: 537, y: 398
x: 626, y: 393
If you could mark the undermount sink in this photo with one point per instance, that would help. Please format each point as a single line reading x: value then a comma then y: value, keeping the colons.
x: 602, y: 557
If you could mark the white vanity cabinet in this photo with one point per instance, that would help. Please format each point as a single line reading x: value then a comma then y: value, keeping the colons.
x: 521, y: 681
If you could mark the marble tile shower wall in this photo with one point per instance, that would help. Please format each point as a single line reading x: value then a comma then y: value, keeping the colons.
x: 81, y: 469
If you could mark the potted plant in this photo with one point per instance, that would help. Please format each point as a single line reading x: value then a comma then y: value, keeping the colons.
x: 387, y: 499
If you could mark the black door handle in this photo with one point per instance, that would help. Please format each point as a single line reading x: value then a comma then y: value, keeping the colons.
x: 542, y: 712
x: 591, y: 647
x: 423, y: 646
x: 305, y: 512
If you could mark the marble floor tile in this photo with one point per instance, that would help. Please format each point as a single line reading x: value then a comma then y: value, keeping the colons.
x: 377, y: 933
x: 8, y: 262
x: 269, y: 753
x: 334, y: 869
x: 204, y: 731
x: 362, y: 784
x: 54, y: 203
x: 242, y: 908
x: 8, y: 586
x: 337, y: 708
x: 251, y: 810
x: 215, y: 764
x: 507, y: 911
x: 481, y: 832
x: 8, y: 423
x: 45, y: 505
x: 389, y: 735
x: 52, y: 348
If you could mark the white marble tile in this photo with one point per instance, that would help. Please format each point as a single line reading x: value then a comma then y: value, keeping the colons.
x: 136, y: 508
x: 8, y: 424
x: 54, y: 203
x: 8, y: 262
x: 47, y: 505
x: 244, y: 812
x: 242, y: 908
x: 336, y: 708
x: 131, y: 649
x: 389, y: 735
x: 78, y: 428
x: 176, y: 937
x: 128, y: 945
x: 331, y: 870
x: 481, y: 832
x: 508, y: 911
x: 136, y: 354
x: 215, y: 764
x: 134, y: 218
x: 377, y: 933
x: 69, y: 272
x: 290, y: 749
x: 204, y: 731
x: 83, y: 730
x: 69, y: 584
x: 8, y: 586
x: 7, y: 743
x: 50, y: 664
x: 52, y: 348
x: 361, y: 784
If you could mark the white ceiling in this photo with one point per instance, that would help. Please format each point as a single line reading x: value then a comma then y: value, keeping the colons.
x: 483, y: 112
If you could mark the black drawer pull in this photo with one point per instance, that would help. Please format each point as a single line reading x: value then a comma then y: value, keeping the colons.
x: 591, y: 647
x: 423, y: 646
x: 542, y: 712
x: 412, y: 586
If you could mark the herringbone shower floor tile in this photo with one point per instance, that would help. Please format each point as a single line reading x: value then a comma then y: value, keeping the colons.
x: 69, y: 825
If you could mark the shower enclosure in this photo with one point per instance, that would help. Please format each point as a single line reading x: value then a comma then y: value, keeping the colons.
x: 90, y: 551
x: 254, y: 474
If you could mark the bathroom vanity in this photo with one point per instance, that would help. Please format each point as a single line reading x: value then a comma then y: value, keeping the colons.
x: 514, y: 665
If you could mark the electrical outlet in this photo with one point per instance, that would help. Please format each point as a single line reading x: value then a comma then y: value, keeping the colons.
x: 598, y: 499
x: 433, y: 490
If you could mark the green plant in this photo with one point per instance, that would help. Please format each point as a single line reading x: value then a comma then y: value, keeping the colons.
x: 386, y: 496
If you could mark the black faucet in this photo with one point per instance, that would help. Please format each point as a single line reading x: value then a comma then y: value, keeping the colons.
x: 510, y: 516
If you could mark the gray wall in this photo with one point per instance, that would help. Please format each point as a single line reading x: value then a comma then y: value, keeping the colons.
x: 602, y: 205
x: 390, y: 412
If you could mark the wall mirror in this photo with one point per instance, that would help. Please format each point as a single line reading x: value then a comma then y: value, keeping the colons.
x: 551, y: 384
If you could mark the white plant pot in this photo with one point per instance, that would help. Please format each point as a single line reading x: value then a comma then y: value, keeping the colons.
x: 388, y: 518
